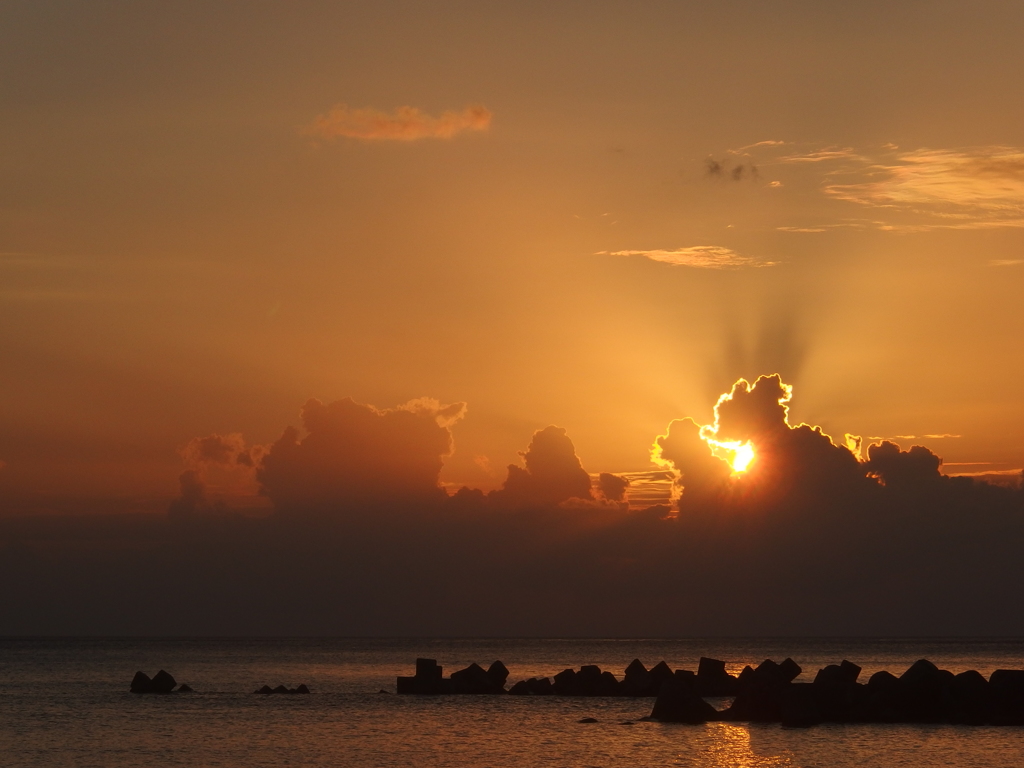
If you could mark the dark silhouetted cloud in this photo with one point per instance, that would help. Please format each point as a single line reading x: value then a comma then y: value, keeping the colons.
x: 357, y: 454
x: 613, y: 487
x: 552, y: 473
x: 810, y: 538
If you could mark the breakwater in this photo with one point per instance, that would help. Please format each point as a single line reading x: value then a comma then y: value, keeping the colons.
x: 768, y: 693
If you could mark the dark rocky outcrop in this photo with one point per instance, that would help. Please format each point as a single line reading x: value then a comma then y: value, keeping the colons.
x: 266, y: 690
x: 761, y: 692
x: 427, y: 680
x: 161, y: 682
x: 533, y: 687
x: 1006, y: 691
x: 637, y: 680
x: 768, y: 693
x: 713, y: 680
x: 474, y: 679
x: 679, y: 702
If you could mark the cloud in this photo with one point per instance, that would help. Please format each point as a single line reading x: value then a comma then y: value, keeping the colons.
x: 766, y: 143
x: 820, y: 155
x: 1005, y: 262
x: 922, y: 189
x: 699, y: 256
x: 613, y: 487
x: 356, y: 454
x: 227, y: 455
x: 552, y: 473
x: 404, y: 124
x: 810, y: 539
x: 215, y: 449
x: 969, y: 188
x: 738, y: 171
x: 193, y: 499
x: 794, y: 462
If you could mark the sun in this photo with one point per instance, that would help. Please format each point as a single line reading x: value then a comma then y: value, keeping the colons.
x: 742, y: 455
x: 738, y: 455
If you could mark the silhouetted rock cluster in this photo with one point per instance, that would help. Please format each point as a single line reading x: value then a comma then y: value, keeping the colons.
x: 474, y: 679
x: 161, y: 682
x: 922, y: 694
x: 767, y: 693
x: 266, y: 690
x: 711, y: 680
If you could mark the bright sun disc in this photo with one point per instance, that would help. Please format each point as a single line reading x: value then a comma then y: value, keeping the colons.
x: 742, y: 456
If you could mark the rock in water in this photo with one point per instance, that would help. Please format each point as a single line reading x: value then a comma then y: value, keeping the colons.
x: 678, y: 703
x: 522, y: 688
x: 162, y: 682
x: 498, y: 673
x: 141, y: 683
x: 713, y: 680
x: 637, y: 680
x: 541, y: 686
x: 473, y: 680
x: 799, y: 706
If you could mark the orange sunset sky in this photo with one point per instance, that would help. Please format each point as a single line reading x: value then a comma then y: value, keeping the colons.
x: 590, y: 215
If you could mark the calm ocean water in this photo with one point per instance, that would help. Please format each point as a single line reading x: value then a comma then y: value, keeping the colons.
x: 66, y: 703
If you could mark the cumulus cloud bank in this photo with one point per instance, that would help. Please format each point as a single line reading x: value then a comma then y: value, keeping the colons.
x: 204, y: 455
x: 803, y: 537
x: 357, y: 454
x: 404, y: 124
x: 552, y: 473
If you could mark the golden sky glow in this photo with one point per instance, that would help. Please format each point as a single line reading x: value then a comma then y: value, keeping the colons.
x: 598, y: 220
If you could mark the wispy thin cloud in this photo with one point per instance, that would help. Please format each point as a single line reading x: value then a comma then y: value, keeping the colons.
x: 755, y: 145
x: 698, y: 256
x: 964, y: 188
x: 919, y: 190
x: 912, y: 437
x: 1005, y: 262
x: 820, y: 155
x: 404, y: 124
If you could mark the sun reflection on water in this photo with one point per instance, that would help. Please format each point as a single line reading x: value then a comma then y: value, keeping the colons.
x: 728, y: 746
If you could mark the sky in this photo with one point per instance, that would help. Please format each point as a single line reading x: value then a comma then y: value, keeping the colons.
x: 591, y: 217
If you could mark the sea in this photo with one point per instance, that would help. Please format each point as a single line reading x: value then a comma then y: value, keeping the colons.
x: 65, y: 702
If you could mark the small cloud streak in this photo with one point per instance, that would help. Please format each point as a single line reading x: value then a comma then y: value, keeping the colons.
x: 820, y: 155
x: 404, y: 124
x: 1005, y: 262
x: 698, y: 256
